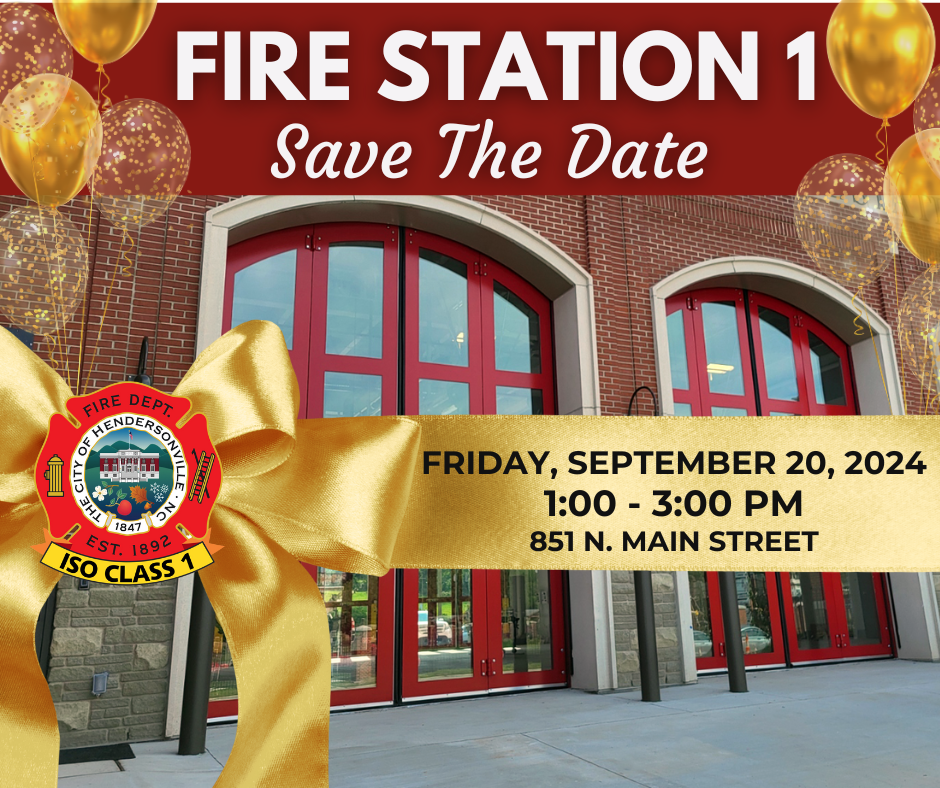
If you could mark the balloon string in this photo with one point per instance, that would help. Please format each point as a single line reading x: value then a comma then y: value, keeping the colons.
x: 85, y: 297
x: 59, y: 284
x: 107, y: 301
x: 102, y: 94
x: 881, y: 156
x: 860, y: 331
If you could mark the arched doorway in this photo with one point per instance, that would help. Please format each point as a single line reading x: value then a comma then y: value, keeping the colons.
x: 386, y: 320
x: 736, y: 352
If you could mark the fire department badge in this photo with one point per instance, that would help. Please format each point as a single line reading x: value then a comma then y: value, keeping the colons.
x: 128, y: 489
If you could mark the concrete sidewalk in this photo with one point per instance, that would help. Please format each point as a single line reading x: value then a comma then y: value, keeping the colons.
x: 863, y: 724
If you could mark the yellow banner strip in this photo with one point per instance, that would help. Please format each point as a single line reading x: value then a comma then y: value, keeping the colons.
x: 126, y: 572
x: 824, y: 494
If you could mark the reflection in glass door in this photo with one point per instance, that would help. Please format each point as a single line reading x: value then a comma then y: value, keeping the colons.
x: 526, y: 628
x: 357, y: 630
x: 443, y: 633
x: 481, y: 630
x: 759, y: 616
x: 836, y: 616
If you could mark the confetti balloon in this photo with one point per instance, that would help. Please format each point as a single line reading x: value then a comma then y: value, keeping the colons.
x: 912, y: 198
x: 144, y: 162
x: 103, y: 31
x: 919, y: 328
x: 53, y: 163
x: 881, y: 52
x: 927, y: 119
x: 841, y: 219
x: 43, y: 267
x: 35, y: 66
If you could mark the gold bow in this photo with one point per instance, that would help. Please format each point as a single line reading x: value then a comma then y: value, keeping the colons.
x: 325, y: 492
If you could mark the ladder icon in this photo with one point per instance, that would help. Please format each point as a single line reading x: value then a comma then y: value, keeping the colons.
x: 198, y: 488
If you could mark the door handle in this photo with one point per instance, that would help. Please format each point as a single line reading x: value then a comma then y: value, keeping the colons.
x: 721, y: 649
x: 483, y: 667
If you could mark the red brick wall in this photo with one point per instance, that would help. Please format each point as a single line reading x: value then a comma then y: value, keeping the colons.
x: 627, y: 244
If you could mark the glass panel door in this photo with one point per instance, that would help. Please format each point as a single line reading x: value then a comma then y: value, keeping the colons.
x: 525, y: 628
x: 863, y: 616
x: 268, y: 278
x: 810, y: 609
x: 721, y: 362
x: 354, y: 327
x: 759, y: 616
x: 442, y: 323
x: 444, y: 632
x: 777, y: 329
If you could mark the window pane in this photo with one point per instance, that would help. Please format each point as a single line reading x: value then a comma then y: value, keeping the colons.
x: 265, y: 291
x: 443, y: 398
x: 827, y: 372
x: 722, y: 348
x: 354, y: 300
x: 678, y: 362
x: 513, y: 401
x: 526, y: 621
x: 775, y: 413
x: 701, y: 615
x: 779, y: 363
x: 517, y: 332
x: 346, y: 394
x: 754, y: 607
x: 352, y: 611
x: 442, y: 310
x: 445, y: 624
x: 809, y: 610
x: 716, y: 411
x: 682, y: 409
x: 861, y: 609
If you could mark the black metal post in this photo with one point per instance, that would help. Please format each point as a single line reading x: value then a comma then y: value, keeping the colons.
x: 142, y: 376
x: 646, y: 636
x: 198, y: 673
x: 734, y: 648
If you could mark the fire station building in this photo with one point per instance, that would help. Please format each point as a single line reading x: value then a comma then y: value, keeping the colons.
x: 686, y: 306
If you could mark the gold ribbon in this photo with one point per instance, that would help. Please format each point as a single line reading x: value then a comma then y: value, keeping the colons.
x: 324, y: 492
x: 353, y: 495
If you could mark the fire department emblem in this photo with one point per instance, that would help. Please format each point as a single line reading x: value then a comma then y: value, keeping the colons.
x: 128, y: 488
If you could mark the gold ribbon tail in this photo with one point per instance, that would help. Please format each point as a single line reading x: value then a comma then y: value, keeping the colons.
x: 325, y: 492
x: 30, y: 392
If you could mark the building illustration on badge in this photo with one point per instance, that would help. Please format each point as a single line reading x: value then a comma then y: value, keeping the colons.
x: 128, y: 486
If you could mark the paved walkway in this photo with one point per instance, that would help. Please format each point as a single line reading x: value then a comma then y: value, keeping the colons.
x: 859, y: 725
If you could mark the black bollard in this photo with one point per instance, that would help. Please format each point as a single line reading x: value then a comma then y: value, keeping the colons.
x: 646, y: 636
x: 198, y: 673
x: 734, y: 648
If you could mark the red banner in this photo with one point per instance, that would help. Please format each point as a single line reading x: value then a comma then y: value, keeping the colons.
x: 684, y: 144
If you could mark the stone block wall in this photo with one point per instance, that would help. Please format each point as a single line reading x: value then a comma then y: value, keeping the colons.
x: 668, y: 645
x: 126, y: 631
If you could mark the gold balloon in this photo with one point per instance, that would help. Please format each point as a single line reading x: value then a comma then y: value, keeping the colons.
x: 919, y: 328
x: 35, y: 66
x: 912, y: 199
x: 103, y: 32
x: 43, y: 269
x: 841, y: 219
x: 51, y: 165
x: 881, y: 52
x: 144, y: 162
